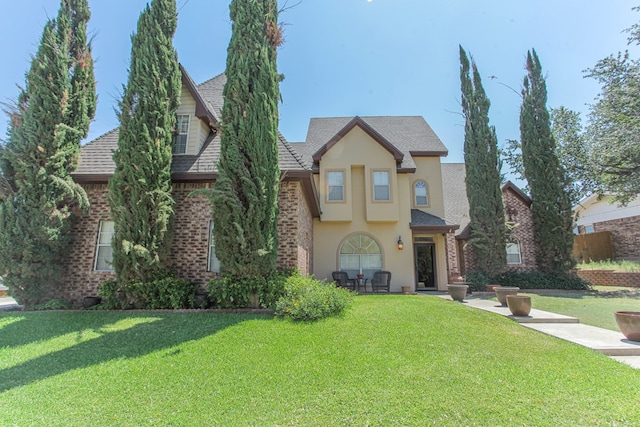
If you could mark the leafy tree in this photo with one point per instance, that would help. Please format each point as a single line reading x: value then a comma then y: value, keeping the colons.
x: 572, y: 150
x: 483, y: 180
x: 245, y: 196
x: 140, y: 189
x: 51, y: 117
x: 614, y: 123
x: 551, y: 205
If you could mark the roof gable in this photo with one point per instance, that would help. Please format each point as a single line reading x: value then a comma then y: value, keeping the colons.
x: 357, y: 121
x: 203, y: 112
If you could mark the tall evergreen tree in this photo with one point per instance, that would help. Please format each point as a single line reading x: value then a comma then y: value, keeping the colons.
x: 140, y: 189
x: 52, y: 116
x: 481, y: 155
x: 551, y: 206
x: 245, y: 197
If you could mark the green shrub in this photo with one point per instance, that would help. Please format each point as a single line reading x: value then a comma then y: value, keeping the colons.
x: 165, y: 291
x: 54, y: 304
x: 478, y: 281
x: 110, y: 293
x: 306, y: 298
x: 232, y: 292
x: 540, y: 280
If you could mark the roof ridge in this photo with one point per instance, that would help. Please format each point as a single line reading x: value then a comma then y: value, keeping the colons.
x: 117, y: 128
x: 209, y: 80
x: 293, y: 152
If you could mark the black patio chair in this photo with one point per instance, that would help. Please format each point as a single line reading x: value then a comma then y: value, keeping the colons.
x: 381, y: 281
x: 342, y: 279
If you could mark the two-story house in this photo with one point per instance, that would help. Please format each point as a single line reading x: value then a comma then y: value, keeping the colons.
x: 361, y: 194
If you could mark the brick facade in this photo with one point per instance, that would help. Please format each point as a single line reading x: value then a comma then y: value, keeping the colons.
x: 518, y: 213
x: 190, y: 246
x: 625, y: 233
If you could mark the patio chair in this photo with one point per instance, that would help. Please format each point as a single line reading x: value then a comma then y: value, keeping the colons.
x: 381, y: 281
x: 342, y: 279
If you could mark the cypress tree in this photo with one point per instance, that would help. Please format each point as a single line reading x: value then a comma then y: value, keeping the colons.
x: 551, y: 206
x: 486, y: 207
x: 51, y: 117
x: 140, y: 189
x: 245, y: 197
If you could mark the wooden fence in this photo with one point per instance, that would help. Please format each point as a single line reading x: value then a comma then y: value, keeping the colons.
x: 593, y: 247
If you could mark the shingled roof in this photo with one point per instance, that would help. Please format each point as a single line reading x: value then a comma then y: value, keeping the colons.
x: 96, y: 162
x: 409, y: 136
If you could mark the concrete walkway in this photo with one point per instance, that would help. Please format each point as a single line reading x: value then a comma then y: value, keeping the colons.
x: 568, y: 328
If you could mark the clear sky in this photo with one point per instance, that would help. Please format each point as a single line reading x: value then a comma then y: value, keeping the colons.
x: 359, y: 57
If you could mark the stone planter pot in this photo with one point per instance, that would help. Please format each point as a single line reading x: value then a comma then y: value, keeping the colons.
x: 519, y: 305
x: 458, y: 291
x: 405, y: 289
x: 629, y: 324
x: 503, y: 291
x: 492, y: 288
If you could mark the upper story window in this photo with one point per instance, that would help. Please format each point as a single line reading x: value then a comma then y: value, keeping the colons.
x: 104, y: 252
x: 180, y: 140
x: 335, y: 186
x: 421, y: 195
x: 513, y: 253
x: 381, y: 187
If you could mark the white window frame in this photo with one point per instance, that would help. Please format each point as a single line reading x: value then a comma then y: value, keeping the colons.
x: 102, y: 243
x: 213, y: 263
x: 513, y: 248
x: 181, y: 133
x: 381, y: 186
x: 415, y: 193
x: 360, y: 253
x: 330, y: 186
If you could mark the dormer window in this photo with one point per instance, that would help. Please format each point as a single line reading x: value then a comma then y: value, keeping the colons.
x: 421, y: 195
x: 180, y: 140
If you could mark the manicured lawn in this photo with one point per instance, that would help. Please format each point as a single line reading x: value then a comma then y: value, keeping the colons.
x: 391, y: 360
x: 592, y: 308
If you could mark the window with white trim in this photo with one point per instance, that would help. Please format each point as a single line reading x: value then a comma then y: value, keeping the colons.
x: 335, y: 186
x: 180, y: 140
x: 360, y: 254
x: 421, y: 197
x: 104, y: 251
x: 381, y: 187
x: 513, y: 253
x: 213, y: 264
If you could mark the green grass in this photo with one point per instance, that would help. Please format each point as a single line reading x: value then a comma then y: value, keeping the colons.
x: 592, y: 308
x: 390, y: 360
x: 627, y: 266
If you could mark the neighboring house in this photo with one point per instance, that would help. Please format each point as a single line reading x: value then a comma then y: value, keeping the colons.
x: 622, y: 222
x: 360, y: 194
x: 521, y: 248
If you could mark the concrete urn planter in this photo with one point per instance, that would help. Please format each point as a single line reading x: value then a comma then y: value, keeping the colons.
x: 629, y: 324
x: 519, y: 305
x: 503, y: 291
x: 458, y: 291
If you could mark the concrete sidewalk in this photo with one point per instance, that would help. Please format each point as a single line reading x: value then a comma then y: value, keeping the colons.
x: 568, y: 328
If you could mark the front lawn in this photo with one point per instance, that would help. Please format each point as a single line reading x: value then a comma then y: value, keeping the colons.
x: 592, y: 308
x: 391, y: 360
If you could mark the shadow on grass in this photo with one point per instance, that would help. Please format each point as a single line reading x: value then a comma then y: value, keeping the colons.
x: 153, y: 332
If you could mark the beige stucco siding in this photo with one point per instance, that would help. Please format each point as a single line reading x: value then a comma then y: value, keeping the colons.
x: 198, y: 130
x: 329, y: 235
x: 428, y: 169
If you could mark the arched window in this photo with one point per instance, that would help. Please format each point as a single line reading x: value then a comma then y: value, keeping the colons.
x: 360, y: 254
x: 513, y: 252
x: 421, y: 197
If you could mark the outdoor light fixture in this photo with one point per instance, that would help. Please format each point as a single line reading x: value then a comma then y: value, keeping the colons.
x: 400, y: 243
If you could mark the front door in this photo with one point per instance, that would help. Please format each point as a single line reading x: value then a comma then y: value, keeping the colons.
x: 425, y: 266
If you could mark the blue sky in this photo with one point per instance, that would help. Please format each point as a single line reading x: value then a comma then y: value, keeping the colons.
x: 360, y: 57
